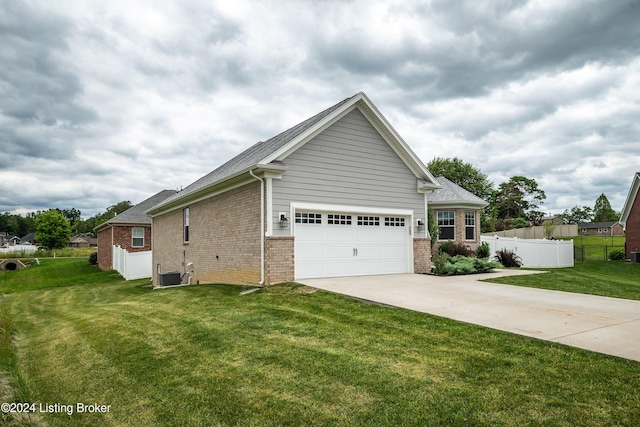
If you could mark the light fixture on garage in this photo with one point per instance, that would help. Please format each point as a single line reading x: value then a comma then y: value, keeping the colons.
x: 420, y: 226
x: 284, y: 221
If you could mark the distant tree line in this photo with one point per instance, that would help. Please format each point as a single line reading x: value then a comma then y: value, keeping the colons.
x: 21, y: 225
x: 514, y: 203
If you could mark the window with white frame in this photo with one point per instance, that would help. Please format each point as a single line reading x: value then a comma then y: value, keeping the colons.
x: 470, y: 225
x: 185, y: 222
x: 137, y: 237
x: 446, y: 223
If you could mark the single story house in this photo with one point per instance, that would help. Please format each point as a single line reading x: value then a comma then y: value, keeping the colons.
x: 457, y: 212
x: 609, y: 228
x: 29, y: 238
x: 630, y: 218
x: 555, y: 219
x: 339, y: 194
x: 131, y: 230
x: 82, y: 241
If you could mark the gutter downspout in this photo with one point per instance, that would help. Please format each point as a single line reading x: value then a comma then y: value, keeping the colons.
x: 261, y: 225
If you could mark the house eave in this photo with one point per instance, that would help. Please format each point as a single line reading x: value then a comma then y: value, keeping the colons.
x: 236, y: 180
x: 631, y: 197
x: 458, y: 204
x: 384, y: 128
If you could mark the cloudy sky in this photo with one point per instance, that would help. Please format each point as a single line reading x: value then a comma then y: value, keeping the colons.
x: 104, y: 101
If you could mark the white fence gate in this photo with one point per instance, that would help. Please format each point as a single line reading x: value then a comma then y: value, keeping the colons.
x: 539, y: 253
x: 132, y: 265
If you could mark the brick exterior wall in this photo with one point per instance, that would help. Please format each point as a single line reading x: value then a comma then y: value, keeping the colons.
x: 421, y: 255
x: 122, y: 236
x: 105, y: 253
x: 279, y: 258
x: 615, y: 230
x: 224, y: 239
x: 633, y: 229
x: 460, y: 227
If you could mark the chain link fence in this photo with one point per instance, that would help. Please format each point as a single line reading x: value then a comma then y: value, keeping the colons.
x: 594, y: 253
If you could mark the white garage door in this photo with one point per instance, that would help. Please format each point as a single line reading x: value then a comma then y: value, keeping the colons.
x: 338, y: 244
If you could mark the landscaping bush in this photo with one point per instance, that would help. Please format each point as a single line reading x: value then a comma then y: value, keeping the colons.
x: 617, y: 255
x: 455, y: 248
x: 508, y: 258
x: 93, y: 258
x: 483, y: 251
x: 440, y: 261
x: 445, y: 265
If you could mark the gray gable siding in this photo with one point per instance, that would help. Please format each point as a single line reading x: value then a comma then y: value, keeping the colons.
x: 347, y: 164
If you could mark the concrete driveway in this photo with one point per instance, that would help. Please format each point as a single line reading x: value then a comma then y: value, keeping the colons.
x: 601, y: 324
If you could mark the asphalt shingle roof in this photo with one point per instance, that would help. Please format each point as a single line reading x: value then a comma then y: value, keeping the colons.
x: 452, y: 193
x: 136, y: 214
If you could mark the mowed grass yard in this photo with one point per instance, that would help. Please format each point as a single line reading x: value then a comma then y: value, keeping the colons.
x: 286, y: 355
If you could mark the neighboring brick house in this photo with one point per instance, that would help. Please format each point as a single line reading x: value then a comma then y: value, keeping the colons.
x: 610, y: 228
x: 339, y: 194
x: 630, y: 218
x: 131, y: 230
x: 457, y: 212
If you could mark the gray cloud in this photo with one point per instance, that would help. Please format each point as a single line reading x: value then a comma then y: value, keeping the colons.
x: 138, y: 97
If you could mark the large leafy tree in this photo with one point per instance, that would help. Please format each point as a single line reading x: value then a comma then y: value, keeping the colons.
x: 602, y: 210
x: 463, y: 174
x: 577, y: 215
x: 517, y: 198
x: 52, y: 230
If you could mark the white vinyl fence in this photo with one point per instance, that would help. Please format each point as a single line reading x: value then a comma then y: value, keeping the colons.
x: 539, y: 253
x: 132, y: 265
x: 18, y: 250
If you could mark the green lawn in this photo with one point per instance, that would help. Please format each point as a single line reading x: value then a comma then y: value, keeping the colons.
x: 286, y: 355
x: 596, y: 248
x: 618, y: 279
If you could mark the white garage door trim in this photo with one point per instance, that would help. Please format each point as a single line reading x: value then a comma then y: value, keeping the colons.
x: 356, y: 265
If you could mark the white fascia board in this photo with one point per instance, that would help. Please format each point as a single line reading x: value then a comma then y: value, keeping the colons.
x: 310, y: 133
x: 631, y: 197
x: 388, y: 133
x: 366, y: 210
x: 457, y: 205
x: 395, y: 141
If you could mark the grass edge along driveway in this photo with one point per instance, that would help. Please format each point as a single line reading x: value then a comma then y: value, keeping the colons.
x: 287, y: 355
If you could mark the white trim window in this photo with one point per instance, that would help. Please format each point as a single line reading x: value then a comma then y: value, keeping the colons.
x: 137, y: 237
x: 185, y: 225
x: 470, y: 225
x: 447, y: 225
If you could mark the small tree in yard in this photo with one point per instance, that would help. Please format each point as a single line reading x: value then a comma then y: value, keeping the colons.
x: 549, y: 228
x: 52, y: 230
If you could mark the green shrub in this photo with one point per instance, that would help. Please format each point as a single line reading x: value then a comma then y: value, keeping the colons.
x: 617, y: 255
x: 455, y: 248
x: 483, y: 251
x: 440, y: 261
x: 93, y: 258
x: 458, y: 265
x: 508, y: 258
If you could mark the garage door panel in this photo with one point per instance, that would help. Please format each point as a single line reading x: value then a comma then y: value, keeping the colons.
x: 332, y: 250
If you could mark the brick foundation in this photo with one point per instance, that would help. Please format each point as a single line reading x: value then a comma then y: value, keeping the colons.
x: 421, y: 255
x: 279, y: 259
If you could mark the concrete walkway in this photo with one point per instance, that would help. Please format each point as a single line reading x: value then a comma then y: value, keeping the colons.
x: 601, y: 324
